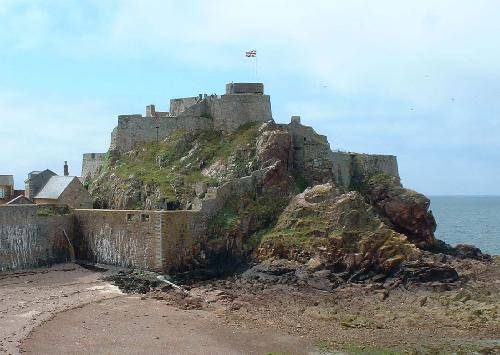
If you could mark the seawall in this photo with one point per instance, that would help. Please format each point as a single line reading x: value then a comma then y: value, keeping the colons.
x: 32, y: 236
x: 153, y: 240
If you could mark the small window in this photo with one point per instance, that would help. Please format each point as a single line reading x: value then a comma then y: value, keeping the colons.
x: 130, y: 217
x: 144, y: 217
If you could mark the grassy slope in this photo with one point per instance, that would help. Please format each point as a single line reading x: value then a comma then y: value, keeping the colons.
x: 174, y: 165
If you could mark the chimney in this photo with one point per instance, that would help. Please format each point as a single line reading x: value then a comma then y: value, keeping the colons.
x: 66, y: 170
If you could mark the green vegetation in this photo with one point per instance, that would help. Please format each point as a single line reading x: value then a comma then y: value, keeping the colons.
x: 248, y: 215
x: 300, y: 181
x: 175, y: 165
x: 52, y: 210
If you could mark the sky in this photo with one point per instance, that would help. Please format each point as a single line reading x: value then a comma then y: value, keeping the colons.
x: 418, y: 79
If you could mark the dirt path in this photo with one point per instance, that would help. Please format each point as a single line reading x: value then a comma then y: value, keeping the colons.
x: 131, y: 325
x: 31, y: 297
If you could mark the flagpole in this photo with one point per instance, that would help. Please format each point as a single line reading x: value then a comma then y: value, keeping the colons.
x: 256, y: 76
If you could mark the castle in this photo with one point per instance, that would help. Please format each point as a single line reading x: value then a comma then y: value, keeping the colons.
x: 242, y: 103
x: 32, y: 235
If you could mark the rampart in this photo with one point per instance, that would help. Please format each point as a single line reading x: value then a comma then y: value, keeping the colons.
x: 34, y: 235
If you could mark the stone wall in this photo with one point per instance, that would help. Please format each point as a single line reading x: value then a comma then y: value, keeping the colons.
x: 216, y: 197
x: 121, y: 238
x: 244, y: 88
x: 182, y: 235
x: 154, y: 240
x: 348, y: 168
x: 75, y: 196
x: 232, y: 111
x: 90, y: 164
x: 311, y: 153
x: 32, y: 236
x: 319, y: 164
x: 223, y: 113
x: 134, y: 129
x: 36, y: 182
x: 177, y: 106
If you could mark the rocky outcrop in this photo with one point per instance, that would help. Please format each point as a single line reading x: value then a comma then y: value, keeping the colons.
x: 405, y: 210
x: 336, y: 228
x: 278, y: 194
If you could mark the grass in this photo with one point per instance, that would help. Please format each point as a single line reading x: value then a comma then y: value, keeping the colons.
x: 173, y: 166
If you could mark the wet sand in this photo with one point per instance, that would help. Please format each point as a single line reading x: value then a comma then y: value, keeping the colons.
x: 129, y: 325
x: 68, y: 309
x: 29, y: 298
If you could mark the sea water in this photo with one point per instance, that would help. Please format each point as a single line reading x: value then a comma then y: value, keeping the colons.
x: 468, y: 220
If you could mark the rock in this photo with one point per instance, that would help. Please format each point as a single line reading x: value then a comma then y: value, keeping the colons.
x: 379, y: 277
x: 421, y: 271
x: 422, y: 301
x: 337, y: 229
x: 466, y: 251
x: 405, y: 209
x: 314, y: 264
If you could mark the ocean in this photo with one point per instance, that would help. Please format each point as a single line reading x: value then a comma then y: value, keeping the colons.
x: 468, y: 220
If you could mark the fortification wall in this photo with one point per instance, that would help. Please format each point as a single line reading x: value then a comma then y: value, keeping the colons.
x: 232, y: 111
x: 28, y: 239
x: 121, y: 238
x: 134, y: 129
x: 182, y: 235
x: 153, y: 240
x: 311, y: 153
x: 90, y: 164
x: 348, y: 167
x: 177, y: 106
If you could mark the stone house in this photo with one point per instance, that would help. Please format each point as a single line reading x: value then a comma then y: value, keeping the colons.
x: 6, y: 188
x: 36, y: 181
x: 64, y: 190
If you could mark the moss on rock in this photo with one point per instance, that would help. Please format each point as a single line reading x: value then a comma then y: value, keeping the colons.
x: 325, y: 222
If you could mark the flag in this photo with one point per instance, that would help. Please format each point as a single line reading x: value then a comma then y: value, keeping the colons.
x: 252, y: 53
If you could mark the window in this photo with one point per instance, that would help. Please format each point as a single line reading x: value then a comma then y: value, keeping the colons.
x: 144, y: 218
x: 130, y: 217
x: 2, y: 192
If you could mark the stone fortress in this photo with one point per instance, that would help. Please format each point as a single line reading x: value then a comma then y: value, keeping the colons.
x: 242, y: 103
x: 163, y: 240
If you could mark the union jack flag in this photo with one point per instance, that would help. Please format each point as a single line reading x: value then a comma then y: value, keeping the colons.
x: 252, y: 53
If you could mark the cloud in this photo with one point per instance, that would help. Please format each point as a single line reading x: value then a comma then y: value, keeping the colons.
x: 414, y: 78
